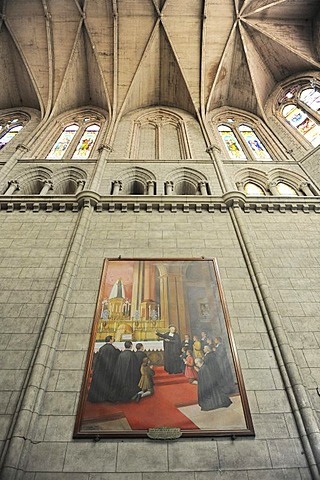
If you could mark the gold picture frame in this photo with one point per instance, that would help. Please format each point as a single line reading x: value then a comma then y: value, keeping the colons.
x: 185, y: 377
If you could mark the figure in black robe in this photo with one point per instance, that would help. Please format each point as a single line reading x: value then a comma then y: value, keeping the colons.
x: 126, y: 375
x: 210, y: 393
x: 229, y: 383
x: 140, y: 353
x: 172, y: 350
x: 101, y: 389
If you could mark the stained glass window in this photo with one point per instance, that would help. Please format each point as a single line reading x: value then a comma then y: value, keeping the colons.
x: 311, y: 97
x: 285, y: 190
x: 253, y: 189
x: 303, y: 123
x: 61, y: 145
x: 86, y: 143
x: 11, y: 133
x: 231, y: 143
x: 258, y: 150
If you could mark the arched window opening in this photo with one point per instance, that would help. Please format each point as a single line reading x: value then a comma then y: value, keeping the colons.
x: 78, y: 140
x: 136, y: 188
x: 286, y: 190
x: 185, y: 188
x: 60, y: 147
x: 9, y: 129
x: 230, y: 142
x: 33, y: 187
x: 86, y: 143
x: 300, y: 108
x: 252, y: 189
x: 67, y: 187
x: 256, y: 147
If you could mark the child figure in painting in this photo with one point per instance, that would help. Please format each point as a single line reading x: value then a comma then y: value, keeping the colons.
x: 146, y: 381
x: 197, y: 352
x: 189, y: 371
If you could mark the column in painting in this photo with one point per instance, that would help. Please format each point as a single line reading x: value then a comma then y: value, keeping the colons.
x: 176, y: 300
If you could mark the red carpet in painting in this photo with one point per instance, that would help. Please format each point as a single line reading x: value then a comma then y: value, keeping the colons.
x: 157, y: 410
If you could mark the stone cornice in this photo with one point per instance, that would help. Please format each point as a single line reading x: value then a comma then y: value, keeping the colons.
x: 160, y: 203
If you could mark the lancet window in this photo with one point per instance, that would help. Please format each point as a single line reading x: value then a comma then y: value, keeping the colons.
x: 76, y: 141
x: 242, y: 142
x: 9, y: 128
x: 300, y: 107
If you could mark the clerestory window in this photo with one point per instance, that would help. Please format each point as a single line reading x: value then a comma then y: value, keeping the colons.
x: 300, y: 108
x: 76, y: 141
x: 9, y: 128
x: 242, y: 142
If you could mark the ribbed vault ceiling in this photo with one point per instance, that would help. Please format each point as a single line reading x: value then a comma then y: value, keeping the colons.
x: 119, y: 55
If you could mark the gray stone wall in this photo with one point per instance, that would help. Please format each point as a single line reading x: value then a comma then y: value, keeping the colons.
x: 275, y: 452
x: 32, y: 251
x: 289, y: 250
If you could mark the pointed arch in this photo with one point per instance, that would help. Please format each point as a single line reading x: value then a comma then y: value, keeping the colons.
x: 244, y: 136
x: 65, y: 135
x: 187, y: 181
x: 32, y: 181
x: 69, y: 180
x: 162, y: 132
x: 136, y: 181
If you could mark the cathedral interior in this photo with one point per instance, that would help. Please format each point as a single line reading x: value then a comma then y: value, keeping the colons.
x: 168, y: 129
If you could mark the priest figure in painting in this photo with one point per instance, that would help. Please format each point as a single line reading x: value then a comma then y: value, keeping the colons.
x: 172, y: 347
x: 210, y: 382
x: 101, y: 389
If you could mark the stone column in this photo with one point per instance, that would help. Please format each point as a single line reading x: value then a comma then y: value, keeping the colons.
x: 272, y: 186
x: 13, y: 186
x: 304, y: 187
x: 203, y: 188
x: 150, y: 187
x: 117, y: 187
x: 169, y: 188
x: 47, y: 185
x: 80, y: 185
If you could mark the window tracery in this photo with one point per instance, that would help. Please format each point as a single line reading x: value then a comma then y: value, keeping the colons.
x: 300, y: 108
x: 10, y: 127
x: 242, y: 142
x: 76, y: 141
x: 160, y: 135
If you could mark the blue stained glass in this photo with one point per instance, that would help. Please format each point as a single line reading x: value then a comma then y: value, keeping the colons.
x: 9, y: 135
x: 253, y: 142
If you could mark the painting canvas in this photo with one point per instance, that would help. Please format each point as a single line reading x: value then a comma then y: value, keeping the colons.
x: 162, y: 355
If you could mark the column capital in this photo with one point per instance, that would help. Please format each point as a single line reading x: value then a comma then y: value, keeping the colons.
x: 14, y: 183
x: 106, y: 147
x: 213, y: 147
x: 23, y: 148
x: 47, y: 182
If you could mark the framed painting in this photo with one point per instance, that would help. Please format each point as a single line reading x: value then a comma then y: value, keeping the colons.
x: 162, y: 355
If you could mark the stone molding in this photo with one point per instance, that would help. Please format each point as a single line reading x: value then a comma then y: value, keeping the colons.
x: 160, y: 203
